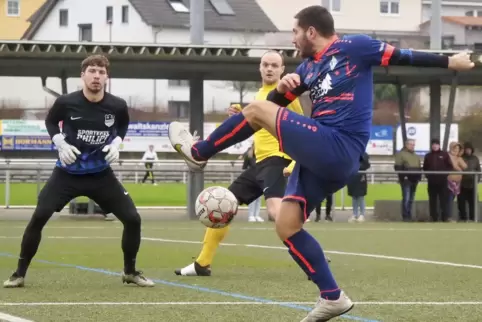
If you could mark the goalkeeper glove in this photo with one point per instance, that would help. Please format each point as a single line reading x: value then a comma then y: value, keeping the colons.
x: 67, y: 153
x: 112, y: 150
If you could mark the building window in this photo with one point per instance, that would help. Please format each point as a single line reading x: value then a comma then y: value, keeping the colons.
x: 109, y: 14
x: 178, y: 109
x: 85, y: 32
x: 125, y: 14
x: 13, y: 7
x: 63, y: 17
x: 332, y: 5
x: 391, y: 7
x: 178, y: 6
x: 473, y: 13
x: 222, y: 7
x: 178, y: 83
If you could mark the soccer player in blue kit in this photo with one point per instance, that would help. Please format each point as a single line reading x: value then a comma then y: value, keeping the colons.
x: 328, y: 146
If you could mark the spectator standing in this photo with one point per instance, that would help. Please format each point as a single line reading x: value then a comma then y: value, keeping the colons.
x: 407, y: 160
x: 454, y: 180
x: 467, y: 189
x: 437, y: 160
x: 149, y: 157
x: 357, y: 190
x: 328, y: 209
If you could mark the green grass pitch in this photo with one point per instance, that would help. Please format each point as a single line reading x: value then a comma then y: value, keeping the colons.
x: 174, y: 194
x: 378, y: 264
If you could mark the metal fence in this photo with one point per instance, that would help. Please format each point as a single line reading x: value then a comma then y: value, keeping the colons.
x: 131, y: 171
x: 33, y: 171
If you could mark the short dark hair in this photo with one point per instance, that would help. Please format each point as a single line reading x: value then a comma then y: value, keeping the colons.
x: 317, y: 17
x: 95, y: 60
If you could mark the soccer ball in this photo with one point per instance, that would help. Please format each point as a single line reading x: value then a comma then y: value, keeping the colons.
x: 216, y: 207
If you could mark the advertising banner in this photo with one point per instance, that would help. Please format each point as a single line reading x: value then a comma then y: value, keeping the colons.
x: 381, y: 140
x: 27, y: 143
x: 420, y: 132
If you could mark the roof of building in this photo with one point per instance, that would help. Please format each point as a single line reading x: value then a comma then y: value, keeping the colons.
x: 236, y: 15
x: 460, y: 20
x: 477, y: 2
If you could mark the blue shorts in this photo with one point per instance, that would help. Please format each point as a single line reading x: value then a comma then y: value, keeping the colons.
x: 325, y: 158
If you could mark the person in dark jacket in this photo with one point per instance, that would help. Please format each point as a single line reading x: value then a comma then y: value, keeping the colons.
x: 328, y: 209
x: 438, y: 191
x: 408, y: 160
x: 467, y: 190
x: 357, y: 190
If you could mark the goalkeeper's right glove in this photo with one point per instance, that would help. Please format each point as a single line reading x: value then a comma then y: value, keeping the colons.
x: 67, y: 153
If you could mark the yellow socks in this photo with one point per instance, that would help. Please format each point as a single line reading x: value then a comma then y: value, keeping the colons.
x: 212, y: 239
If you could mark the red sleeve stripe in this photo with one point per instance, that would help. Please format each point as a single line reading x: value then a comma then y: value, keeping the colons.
x: 290, y: 96
x: 387, y: 54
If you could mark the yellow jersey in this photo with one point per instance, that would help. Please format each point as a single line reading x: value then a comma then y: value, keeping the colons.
x: 265, y: 144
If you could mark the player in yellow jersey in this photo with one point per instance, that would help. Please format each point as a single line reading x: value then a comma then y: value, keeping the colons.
x: 266, y: 178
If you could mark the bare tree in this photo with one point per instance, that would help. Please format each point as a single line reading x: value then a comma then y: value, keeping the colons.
x: 247, y: 38
x: 243, y: 88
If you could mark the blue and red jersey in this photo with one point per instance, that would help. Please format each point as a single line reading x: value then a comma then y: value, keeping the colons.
x: 340, y: 82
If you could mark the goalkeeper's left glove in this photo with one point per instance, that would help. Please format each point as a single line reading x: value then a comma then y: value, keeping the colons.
x: 112, y: 150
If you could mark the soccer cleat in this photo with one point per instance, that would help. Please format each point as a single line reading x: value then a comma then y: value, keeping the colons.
x: 326, y: 310
x: 14, y: 281
x: 194, y: 269
x: 138, y: 279
x: 182, y: 141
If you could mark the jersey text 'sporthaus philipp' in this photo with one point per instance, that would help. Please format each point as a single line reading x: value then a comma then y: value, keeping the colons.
x: 89, y: 126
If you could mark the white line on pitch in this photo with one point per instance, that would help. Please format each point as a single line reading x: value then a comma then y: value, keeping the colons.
x: 12, y: 318
x: 404, y: 259
x: 224, y: 303
x: 65, y: 237
x: 116, y: 225
x: 176, y: 241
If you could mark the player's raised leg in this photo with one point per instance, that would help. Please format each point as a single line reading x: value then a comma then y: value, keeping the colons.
x: 246, y: 189
x: 112, y: 197
x: 235, y: 129
x: 57, y: 192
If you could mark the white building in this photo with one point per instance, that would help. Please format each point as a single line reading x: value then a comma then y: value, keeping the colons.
x: 227, y: 22
x: 394, y: 21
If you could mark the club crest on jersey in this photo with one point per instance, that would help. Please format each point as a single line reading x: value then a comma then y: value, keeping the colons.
x: 109, y: 120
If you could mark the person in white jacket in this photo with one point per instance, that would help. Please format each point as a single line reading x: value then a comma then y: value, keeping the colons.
x: 150, y: 156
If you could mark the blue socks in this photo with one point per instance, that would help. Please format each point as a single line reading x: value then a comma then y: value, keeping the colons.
x: 234, y: 130
x: 306, y: 251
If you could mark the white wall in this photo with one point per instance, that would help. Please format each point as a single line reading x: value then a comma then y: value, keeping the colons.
x: 140, y: 93
x: 354, y: 14
x: 450, y: 10
x: 465, y: 98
